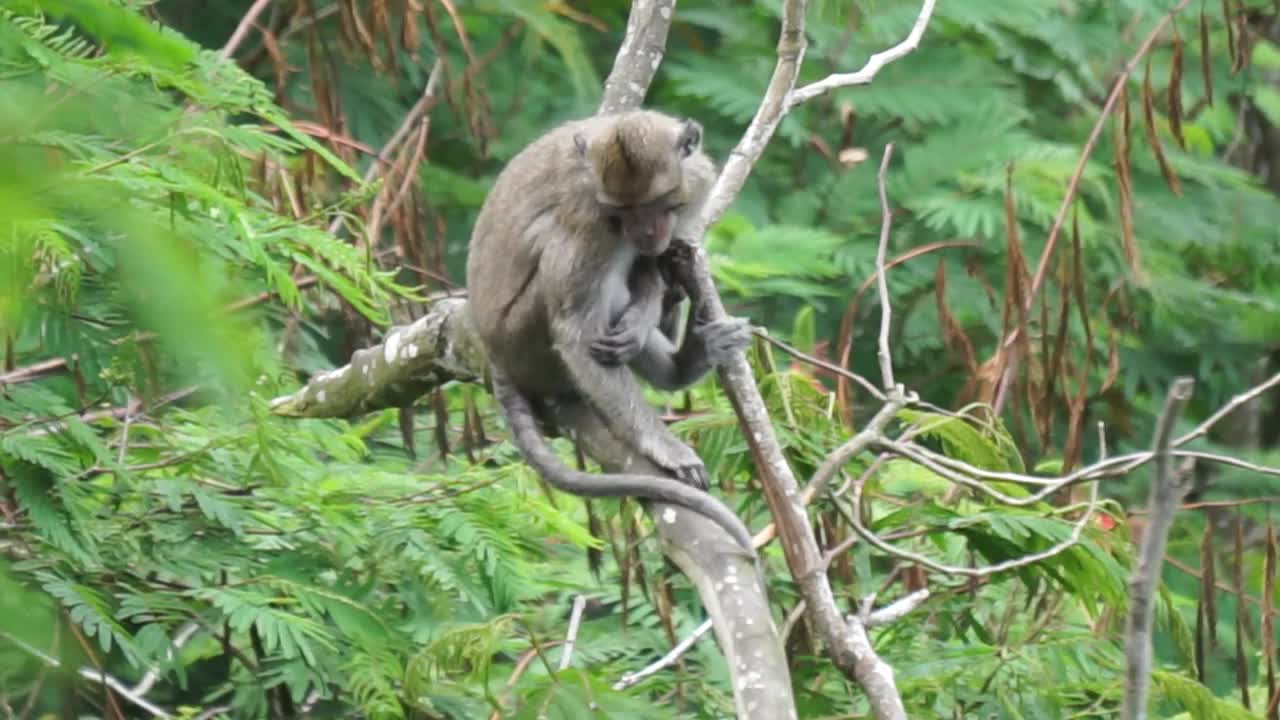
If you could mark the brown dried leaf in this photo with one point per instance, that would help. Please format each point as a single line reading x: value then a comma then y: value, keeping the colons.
x: 1241, y: 611
x: 1148, y: 112
x: 595, y: 554
x: 321, y: 90
x: 441, y: 430
x: 1075, y: 431
x: 1206, y: 60
x: 1016, y: 290
x: 1242, y: 662
x: 469, y: 439
x: 1244, y: 41
x: 1208, y: 583
x: 361, y: 31
x: 1055, y: 363
x: 1078, y: 402
x: 406, y: 419
x: 665, y: 606
x: 1126, y: 122
x: 1199, y: 643
x: 380, y: 20
x: 1124, y: 183
x: 981, y: 385
x: 1017, y: 278
x: 1077, y: 272
x: 279, y: 66
x: 346, y: 26
x: 1113, y: 359
x: 952, y: 335
x: 1269, y: 619
x: 632, y: 548
x: 1229, y: 21
x: 1175, y: 89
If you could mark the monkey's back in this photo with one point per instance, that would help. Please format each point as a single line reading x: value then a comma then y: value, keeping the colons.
x: 516, y: 224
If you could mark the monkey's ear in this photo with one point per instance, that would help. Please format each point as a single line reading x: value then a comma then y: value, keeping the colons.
x: 580, y: 143
x: 690, y: 138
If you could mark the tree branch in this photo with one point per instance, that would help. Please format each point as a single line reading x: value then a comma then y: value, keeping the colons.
x: 1166, y: 492
x: 873, y: 67
x: 847, y: 642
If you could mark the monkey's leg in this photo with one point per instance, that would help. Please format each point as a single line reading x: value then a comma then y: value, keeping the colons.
x: 616, y: 396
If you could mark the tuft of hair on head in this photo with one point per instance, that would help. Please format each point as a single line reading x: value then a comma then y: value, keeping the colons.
x: 627, y: 158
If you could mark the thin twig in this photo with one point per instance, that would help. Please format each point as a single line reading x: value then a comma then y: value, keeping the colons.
x: 1166, y: 492
x: 1236, y: 401
x: 874, y: 64
x: 180, y: 638
x: 242, y: 29
x: 1077, y: 530
x: 91, y: 674
x: 793, y: 619
x: 837, y: 458
x: 673, y: 655
x: 518, y: 671
x: 897, y: 609
x: 33, y: 371
x: 571, y: 637
x: 118, y: 413
x: 866, y: 384
x: 882, y: 283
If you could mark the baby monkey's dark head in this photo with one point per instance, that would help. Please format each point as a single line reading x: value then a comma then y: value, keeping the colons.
x: 637, y: 160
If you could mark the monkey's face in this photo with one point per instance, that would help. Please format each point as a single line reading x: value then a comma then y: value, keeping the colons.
x: 646, y: 227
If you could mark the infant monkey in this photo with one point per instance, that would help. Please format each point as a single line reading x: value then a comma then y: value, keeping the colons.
x: 565, y: 244
x: 650, y: 322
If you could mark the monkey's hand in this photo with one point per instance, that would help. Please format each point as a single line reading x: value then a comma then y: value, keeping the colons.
x: 622, y: 341
x: 724, y: 339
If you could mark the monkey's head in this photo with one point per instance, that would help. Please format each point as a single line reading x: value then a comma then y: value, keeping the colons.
x: 636, y: 160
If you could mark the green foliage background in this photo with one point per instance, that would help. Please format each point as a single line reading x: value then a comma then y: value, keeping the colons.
x: 166, y: 268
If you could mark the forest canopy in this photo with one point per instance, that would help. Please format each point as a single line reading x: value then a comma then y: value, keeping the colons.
x: 1009, y: 415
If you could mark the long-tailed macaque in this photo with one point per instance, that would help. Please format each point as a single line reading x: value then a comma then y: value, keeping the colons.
x: 564, y: 256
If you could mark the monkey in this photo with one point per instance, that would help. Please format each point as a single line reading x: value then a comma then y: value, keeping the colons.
x: 569, y: 231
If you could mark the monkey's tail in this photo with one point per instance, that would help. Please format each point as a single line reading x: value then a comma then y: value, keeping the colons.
x: 539, y: 454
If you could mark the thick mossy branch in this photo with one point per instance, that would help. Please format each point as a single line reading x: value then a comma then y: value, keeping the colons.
x: 411, y: 361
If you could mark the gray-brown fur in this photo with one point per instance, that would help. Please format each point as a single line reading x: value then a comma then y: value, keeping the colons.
x: 554, y: 261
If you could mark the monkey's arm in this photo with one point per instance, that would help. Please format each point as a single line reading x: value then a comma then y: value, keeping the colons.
x: 626, y: 336
x: 615, y: 395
